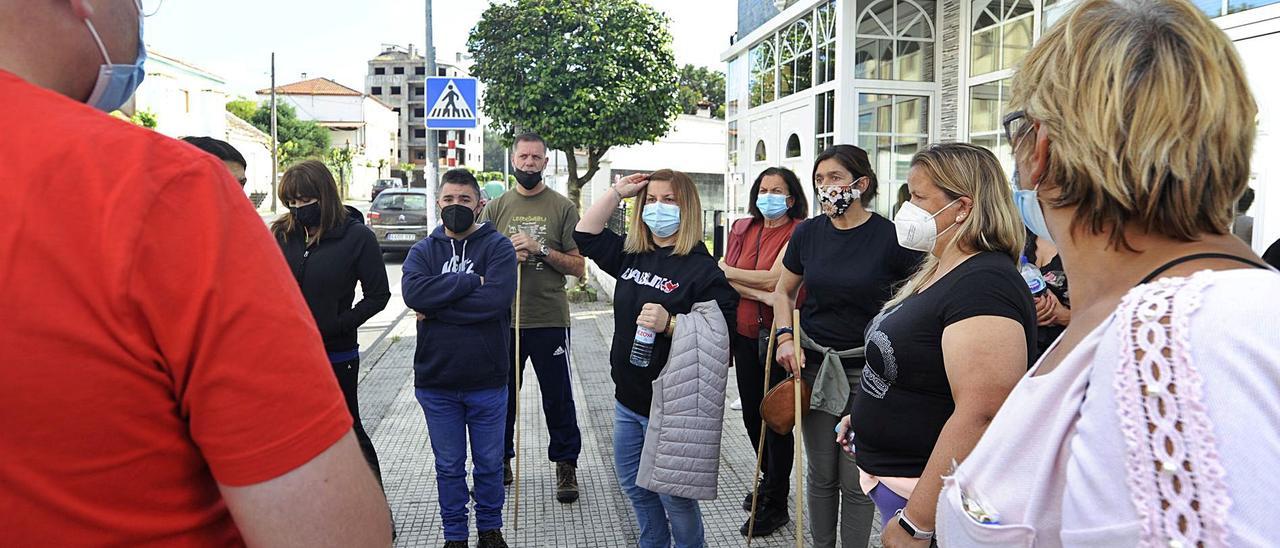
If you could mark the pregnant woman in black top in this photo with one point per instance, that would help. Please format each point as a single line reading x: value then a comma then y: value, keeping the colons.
x: 943, y: 354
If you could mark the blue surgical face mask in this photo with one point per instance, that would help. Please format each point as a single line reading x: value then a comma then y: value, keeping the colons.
x: 663, y: 219
x: 772, y: 206
x: 116, y: 83
x: 1029, y: 208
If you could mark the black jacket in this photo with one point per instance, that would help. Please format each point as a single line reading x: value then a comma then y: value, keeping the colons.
x: 328, y: 271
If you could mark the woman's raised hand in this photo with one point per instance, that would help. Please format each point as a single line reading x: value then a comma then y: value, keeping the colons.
x: 630, y: 185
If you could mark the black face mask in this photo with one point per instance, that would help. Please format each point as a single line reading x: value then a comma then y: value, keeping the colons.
x: 528, y: 179
x: 457, y: 218
x: 307, y: 215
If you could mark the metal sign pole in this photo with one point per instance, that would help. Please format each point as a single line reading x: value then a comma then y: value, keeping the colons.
x: 275, y: 145
x: 433, y: 149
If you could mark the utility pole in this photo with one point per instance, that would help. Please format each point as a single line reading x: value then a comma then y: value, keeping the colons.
x: 433, y: 148
x: 275, y: 146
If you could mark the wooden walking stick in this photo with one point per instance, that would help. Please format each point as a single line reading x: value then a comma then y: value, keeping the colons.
x: 799, y: 433
x: 519, y: 365
x: 755, y: 478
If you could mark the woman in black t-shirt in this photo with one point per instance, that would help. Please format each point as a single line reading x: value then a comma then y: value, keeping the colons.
x: 663, y: 269
x: 849, y: 260
x: 943, y: 354
x: 1053, y: 308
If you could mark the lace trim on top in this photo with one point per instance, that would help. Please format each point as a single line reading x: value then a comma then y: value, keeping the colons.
x: 1174, y: 475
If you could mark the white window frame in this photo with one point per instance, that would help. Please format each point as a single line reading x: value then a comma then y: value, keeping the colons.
x: 820, y: 40
x: 934, y: 119
x: 783, y: 43
x: 933, y: 21
x: 966, y: 46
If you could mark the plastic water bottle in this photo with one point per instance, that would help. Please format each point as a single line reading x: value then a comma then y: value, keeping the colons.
x: 848, y: 437
x: 642, y: 347
x: 1031, y: 274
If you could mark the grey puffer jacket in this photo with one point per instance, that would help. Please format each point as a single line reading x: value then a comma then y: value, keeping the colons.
x: 681, y: 455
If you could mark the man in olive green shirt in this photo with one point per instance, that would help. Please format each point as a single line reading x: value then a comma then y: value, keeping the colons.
x: 540, y: 223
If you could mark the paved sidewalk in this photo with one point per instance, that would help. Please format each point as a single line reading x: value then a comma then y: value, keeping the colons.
x: 602, y: 517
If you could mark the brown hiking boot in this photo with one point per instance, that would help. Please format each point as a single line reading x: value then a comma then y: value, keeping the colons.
x: 566, y: 482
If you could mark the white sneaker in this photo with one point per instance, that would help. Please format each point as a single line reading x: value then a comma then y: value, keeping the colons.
x: 736, y: 405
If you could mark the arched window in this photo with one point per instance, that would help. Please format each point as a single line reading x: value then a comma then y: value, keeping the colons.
x: 824, y: 18
x: 761, y: 153
x: 796, y: 71
x: 1002, y: 34
x: 762, y: 82
x: 895, y: 40
x: 793, y: 146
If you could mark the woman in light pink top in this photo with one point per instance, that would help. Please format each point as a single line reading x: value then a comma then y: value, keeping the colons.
x: 1155, y: 418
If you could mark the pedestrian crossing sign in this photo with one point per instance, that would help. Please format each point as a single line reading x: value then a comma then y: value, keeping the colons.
x: 451, y: 103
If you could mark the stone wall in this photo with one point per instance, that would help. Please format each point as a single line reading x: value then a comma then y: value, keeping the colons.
x: 949, y: 77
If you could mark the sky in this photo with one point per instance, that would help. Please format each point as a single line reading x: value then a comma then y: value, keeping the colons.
x: 336, y: 38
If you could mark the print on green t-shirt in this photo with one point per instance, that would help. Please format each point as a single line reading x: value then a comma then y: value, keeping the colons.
x: 550, y: 219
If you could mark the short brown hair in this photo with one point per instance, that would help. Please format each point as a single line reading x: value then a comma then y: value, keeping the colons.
x: 1149, y: 117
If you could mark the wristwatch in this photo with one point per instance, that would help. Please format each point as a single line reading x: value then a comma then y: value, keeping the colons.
x: 543, y: 251
x: 911, y: 528
x: 783, y: 331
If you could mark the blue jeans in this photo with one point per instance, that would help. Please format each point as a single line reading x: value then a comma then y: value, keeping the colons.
x: 451, y: 415
x: 662, y: 518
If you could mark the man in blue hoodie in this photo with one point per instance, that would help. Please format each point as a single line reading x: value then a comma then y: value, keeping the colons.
x: 462, y: 281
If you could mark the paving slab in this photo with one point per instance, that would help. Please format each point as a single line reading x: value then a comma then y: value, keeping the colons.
x: 602, y: 517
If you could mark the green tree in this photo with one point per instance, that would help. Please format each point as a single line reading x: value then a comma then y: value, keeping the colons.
x: 145, y: 118
x: 495, y: 155
x: 587, y: 75
x: 299, y: 139
x: 310, y: 139
x: 243, y: 109
x: 407, y: 168
x: 340, y: 161
x: 380, y: 165
x: 698, y: 84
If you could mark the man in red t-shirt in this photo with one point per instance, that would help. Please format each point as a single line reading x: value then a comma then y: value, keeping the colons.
x: 161, y: 380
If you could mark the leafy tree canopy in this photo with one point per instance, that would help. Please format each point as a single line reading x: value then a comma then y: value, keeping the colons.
x: 495, y: 155
x: 587, y: 75
x: 299, y: 139
x: 698, y: 84
x: 243, y: 109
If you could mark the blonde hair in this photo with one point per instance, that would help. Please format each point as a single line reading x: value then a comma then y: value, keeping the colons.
x: 1149, y: 117
x: 689, y: 235
x: 965, y: 170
